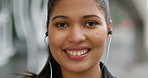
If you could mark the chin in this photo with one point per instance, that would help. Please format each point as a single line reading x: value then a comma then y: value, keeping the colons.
x: 78, y: 68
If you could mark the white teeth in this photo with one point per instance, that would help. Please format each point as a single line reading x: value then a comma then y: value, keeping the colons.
x: 77, y: 53
x: 74, y: 53
x: 81, y: 52
x: 84, y: 51
x: 68, y: 52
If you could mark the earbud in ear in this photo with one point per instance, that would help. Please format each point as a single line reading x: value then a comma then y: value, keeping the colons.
x: 46, y: 34
x: 110, y: 32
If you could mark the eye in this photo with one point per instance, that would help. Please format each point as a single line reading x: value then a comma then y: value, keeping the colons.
x: 91, y: 23
x: 61, y: 24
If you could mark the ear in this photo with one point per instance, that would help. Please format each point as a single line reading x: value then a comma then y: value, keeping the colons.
x: 109, y: 28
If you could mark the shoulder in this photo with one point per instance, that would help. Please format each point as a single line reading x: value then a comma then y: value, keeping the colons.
x: 105, y: 71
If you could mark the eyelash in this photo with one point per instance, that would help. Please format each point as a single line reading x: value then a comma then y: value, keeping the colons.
x: 87, y: 24
x: 93, y: 23
x: 61, y: 23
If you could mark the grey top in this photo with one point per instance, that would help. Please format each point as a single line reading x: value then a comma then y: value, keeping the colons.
x: 106, y: 73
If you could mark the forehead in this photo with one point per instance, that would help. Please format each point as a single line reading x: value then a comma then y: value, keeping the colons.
x: 76, y: 7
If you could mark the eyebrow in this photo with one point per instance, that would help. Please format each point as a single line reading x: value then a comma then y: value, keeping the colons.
x: 59, y: 16
x: 86, y: 16
x: 90, y: 16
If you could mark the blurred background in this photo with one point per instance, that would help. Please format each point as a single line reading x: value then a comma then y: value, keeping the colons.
x: 23, y: 27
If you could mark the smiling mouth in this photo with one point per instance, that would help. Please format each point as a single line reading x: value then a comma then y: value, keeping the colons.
x: 77, y: 52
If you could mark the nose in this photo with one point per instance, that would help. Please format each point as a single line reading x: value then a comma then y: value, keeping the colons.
x: 76, y: 35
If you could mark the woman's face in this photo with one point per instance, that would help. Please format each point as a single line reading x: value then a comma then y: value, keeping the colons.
x: 77, y: 34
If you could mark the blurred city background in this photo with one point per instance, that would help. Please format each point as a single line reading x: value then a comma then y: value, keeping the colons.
x: 23, y: 27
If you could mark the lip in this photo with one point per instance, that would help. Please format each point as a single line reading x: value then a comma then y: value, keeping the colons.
x: 76, y: 48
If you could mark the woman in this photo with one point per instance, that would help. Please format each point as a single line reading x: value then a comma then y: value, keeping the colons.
x: 77, y: 31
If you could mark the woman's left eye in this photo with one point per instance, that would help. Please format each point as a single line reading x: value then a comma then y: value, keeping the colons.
x: 61, y: 24
x: 91, y: 23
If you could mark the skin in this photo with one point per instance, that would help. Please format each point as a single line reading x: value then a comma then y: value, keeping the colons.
x: 76, y: 30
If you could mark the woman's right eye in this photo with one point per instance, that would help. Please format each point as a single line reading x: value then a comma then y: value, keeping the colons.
x: 61, y: 24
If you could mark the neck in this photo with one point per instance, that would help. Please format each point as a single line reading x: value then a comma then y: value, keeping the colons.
x: 93, y: 72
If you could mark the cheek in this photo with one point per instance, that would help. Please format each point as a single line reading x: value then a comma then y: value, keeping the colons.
x: 55, y: 38
x: 98, y: 40
x: 56, y: 41
x: 98, y: 36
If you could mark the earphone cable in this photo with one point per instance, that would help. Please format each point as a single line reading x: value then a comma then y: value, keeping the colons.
x: 50, y: 69
x: 108, y: 51
x: 49, y: 61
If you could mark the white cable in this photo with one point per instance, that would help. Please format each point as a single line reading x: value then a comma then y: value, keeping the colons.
x: 49, y: 61
x: 50, y: 70
x: 108, y: 50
